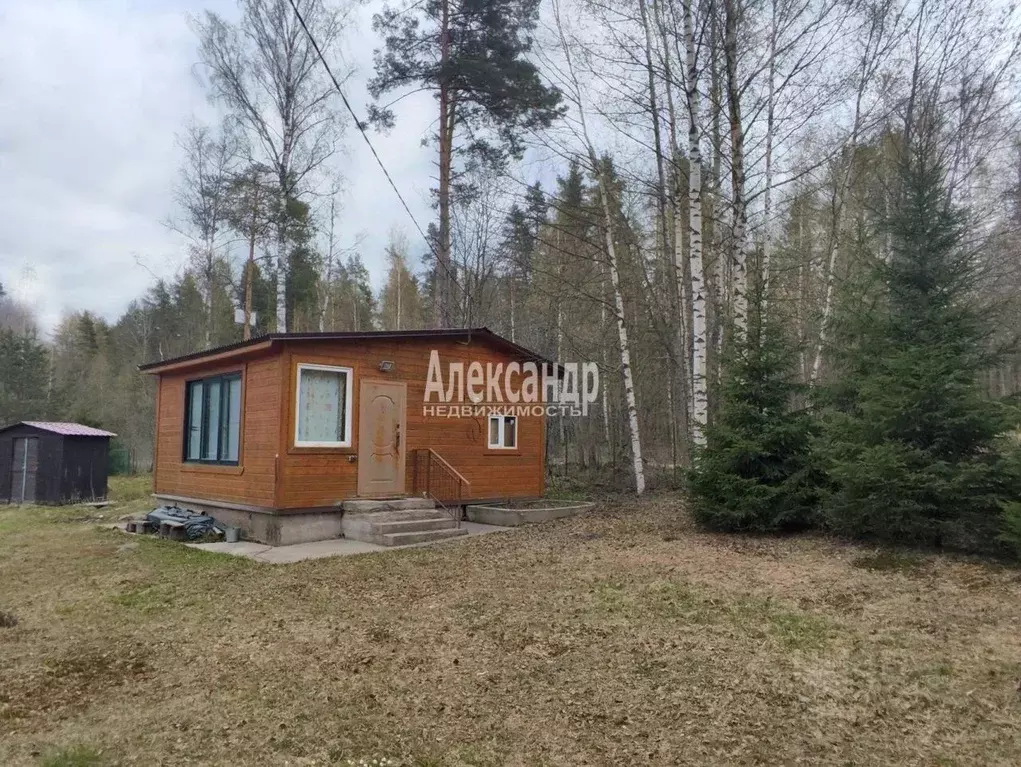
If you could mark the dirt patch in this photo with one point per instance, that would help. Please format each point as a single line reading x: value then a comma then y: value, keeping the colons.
x: 70, y: 680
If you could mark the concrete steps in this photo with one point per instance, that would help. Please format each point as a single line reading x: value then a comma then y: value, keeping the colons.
x: 398, y: 522
x: 415, y: 525
x: 423, y: 536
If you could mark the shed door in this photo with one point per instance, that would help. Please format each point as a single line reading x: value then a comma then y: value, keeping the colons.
x: 381, y: 424
x: 24, y: 469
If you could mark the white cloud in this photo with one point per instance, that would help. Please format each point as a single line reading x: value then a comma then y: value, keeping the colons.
x: 92, y: 95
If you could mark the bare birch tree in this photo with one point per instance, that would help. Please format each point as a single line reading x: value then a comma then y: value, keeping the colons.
x: 266, y: 73
x: 881, y: 27
x: 203, y: 193
x: 611, y: 254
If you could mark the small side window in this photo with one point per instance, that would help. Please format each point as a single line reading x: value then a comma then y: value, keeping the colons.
x: 503, y: 432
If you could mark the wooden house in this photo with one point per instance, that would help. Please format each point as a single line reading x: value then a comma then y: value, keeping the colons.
x: 281, y: 434
x: 53, y: 463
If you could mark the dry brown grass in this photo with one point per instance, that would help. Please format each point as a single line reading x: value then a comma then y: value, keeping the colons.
x: 622, y: 637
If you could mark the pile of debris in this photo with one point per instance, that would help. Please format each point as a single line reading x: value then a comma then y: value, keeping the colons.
x: 177, y: 524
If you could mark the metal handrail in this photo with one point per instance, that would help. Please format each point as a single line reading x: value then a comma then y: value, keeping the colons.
x: 446, y: 465
x: 432, y: 489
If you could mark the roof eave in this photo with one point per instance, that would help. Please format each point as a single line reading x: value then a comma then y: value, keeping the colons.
x: 265, y: 342
x: 196, y: 360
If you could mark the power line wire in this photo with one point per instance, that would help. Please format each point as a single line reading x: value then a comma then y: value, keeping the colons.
x: 361, y: 129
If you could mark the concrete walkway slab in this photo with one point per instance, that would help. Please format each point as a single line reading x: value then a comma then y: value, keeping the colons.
x: 335, y: 547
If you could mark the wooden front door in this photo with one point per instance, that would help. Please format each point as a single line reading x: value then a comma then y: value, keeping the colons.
x: 381, y: 444
x: 24, y: 469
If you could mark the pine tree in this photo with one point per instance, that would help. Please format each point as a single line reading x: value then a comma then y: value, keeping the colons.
x: 473, y: 54
x: 910, y: 442
x: 755, y: 472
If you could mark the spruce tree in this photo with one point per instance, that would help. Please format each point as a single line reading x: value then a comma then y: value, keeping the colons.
x: 910, y: 441
x: 24, y: 374
x: 755, y: 471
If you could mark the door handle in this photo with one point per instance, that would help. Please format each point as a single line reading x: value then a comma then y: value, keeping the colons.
x: 397, y: 441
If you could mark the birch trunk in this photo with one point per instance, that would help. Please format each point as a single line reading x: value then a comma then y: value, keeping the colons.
x: 671, y: 256
x: 625, y: 353
x: 250, y: 264
x: 281, y: 258
x: 513, y: 323
x: 681, y: 266
x: 560, y: 357
x: 716, y: 274
x: 328, y: 277
x: 611, y: 252
x: 834, y: 240
x: 602, y: 389
x: 880, y: 35
x: 700, y: 398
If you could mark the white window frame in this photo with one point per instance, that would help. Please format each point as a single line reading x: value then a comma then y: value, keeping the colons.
x: 348, y: 404
x: 501, y: 433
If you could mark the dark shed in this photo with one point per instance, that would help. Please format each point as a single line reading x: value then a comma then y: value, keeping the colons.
x: 54, y: 463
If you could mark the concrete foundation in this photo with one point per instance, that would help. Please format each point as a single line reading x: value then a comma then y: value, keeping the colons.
x: 508, y: 516
x: 265, y: 526
x: 369, y: 505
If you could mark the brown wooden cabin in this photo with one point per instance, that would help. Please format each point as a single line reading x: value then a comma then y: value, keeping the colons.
x: 53, y: 462
x: 276, y: 433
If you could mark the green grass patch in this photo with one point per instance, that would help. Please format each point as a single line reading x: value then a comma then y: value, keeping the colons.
x: 612, y: 597
x: 800, y: 630
x: 146, y: 599
x: 887, y: 560
x: 75, y: 756
x: 657, y: 601
x: 127, y: 488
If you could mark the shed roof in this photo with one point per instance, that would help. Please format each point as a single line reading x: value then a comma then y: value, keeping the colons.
x: 64, y: 428
x: 484, y: 334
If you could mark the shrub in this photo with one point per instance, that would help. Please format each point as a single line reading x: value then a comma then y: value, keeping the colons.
x: 755, y: 471
x: 1011, y: 535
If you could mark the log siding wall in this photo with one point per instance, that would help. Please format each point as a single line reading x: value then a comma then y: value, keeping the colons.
x: 273, y: 473
x: 252, y: 481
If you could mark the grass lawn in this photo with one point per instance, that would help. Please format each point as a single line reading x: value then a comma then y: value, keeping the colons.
x: 620, y: 638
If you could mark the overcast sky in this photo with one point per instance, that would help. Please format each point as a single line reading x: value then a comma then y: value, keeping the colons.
x: 92, y: 93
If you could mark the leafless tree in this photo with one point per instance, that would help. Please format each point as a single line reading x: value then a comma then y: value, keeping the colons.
x: 265, y: 71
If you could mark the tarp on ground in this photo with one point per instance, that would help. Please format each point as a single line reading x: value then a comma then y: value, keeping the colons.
x: 195, y: 525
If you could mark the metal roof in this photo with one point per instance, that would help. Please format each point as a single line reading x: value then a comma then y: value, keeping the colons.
x: 397, y: 335
x: 65, y: 428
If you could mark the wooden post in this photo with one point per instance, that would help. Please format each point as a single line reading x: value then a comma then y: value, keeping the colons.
x: 428, y: 471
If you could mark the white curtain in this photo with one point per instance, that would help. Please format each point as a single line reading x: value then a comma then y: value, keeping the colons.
x: 321, y: 405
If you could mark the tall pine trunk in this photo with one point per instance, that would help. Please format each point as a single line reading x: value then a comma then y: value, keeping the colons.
x: 739, y: 246
x: 767, y: 204
x: 443, y: 287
